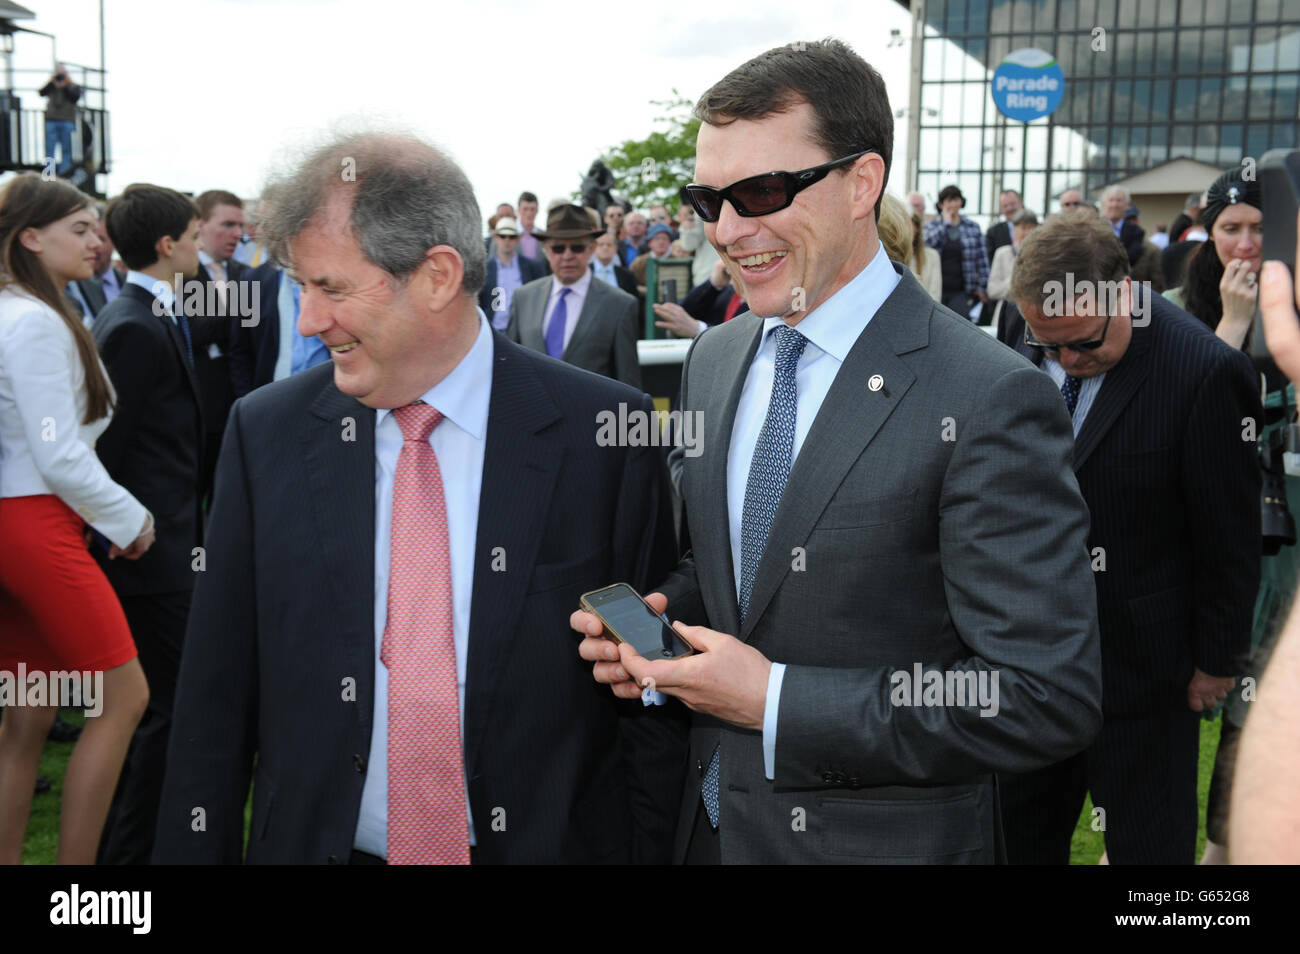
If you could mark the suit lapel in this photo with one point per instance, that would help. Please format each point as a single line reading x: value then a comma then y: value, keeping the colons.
x: 712, y: 541
x: 341, y: 477
x: 1121, y: 383
x: 520, y: 469
x: 537, y: 315
x: 848, y: 419
x: 586, y: 325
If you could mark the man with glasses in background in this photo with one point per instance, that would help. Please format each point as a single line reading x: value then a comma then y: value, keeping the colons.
x: 1164, y: 417
x: 568, y: 315
x: 883, y: 502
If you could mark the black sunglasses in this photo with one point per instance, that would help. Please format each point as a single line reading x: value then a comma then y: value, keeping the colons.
x: 1079, y: 346
x: 762, y: 194
x: 577, y: 248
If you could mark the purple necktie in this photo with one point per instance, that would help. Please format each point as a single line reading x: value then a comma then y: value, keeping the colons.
x: 555, y: 333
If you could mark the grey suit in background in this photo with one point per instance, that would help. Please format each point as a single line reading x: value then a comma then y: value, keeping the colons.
x: 604, y: 340
x: 932, y: 520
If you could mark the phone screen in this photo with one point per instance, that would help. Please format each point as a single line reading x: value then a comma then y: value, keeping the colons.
x: 624, y: 612
x: 1279, y: 182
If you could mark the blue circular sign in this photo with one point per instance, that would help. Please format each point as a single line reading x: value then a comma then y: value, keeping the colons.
x: 1028, y: 84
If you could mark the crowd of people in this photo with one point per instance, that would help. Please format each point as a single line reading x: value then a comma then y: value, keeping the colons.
x: 355, y: 588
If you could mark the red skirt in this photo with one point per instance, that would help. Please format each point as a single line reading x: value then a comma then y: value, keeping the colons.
x: 57, y: 609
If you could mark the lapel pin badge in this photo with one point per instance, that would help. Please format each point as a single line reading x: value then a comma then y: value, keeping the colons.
x: 875, y: 382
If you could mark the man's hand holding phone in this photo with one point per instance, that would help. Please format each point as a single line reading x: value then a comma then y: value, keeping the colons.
x: 725, y: 678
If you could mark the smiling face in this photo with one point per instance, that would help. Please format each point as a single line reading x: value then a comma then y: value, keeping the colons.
x: 807, y: 251
x: 1114, y: 204
x: 380, y: 339
x: 1009, y: 204
x: 220, y: 233
x: 66, y: 247
x: 1238, y: 233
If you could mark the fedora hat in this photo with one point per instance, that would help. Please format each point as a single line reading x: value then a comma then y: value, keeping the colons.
x: 568, y: 221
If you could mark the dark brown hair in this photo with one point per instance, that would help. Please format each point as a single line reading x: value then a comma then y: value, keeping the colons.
x: 31, y: 202
x: 1075, y: 242
x: 847, y: 96
x: 1203, y: 272
x: 207, y: 201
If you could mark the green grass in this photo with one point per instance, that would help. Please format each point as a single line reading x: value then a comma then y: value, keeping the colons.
x: 41, y: 844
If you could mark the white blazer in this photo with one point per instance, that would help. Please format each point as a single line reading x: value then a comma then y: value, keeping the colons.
x: 44, y: 447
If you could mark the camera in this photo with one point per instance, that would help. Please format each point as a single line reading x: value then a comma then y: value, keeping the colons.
x: 1278, y: 526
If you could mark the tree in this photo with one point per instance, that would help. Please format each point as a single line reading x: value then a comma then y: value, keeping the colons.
x: 652, y: 171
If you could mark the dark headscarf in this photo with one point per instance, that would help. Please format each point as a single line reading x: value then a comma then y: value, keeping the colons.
x: 1229, y: 189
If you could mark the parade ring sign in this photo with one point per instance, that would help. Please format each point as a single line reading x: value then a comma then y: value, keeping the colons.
x: 1028, y: 84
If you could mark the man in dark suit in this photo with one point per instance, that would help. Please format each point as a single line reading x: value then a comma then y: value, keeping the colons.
x: 507, y: 270
x: 883, y: 514
x: 372, y: 736
x: 1162, y: 413
x: 216, y: 330
x: 1114, y: 209
x: 570, y: 315
x: 1000, y: 232
x: 605, y: 263
x: 153, y: 448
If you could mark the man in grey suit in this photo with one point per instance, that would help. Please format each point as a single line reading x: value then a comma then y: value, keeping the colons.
x: 567, y: 315
x: 889, y: 567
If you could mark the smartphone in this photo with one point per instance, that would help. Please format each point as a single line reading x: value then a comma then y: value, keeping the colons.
x: 1279, y: 183
x: 668, y: 289
x: 630, y: 619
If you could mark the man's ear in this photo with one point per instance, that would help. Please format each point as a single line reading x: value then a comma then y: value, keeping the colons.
x: 868, y: 184
x: 31, y: 240
x: 164, y: 247
x: 445, y: 272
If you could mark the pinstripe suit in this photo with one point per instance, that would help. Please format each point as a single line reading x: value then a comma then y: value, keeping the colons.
x: 1174, y: 493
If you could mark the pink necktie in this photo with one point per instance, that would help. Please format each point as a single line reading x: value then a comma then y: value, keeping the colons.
x: 426, y: 775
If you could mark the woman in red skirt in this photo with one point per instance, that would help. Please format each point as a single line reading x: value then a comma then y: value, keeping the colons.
x: 57, y: 611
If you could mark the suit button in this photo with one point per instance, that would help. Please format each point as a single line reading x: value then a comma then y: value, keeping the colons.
x: 828, y: 777
x: 333, y: 860
x: 359, y: 762
x: 699, y: 767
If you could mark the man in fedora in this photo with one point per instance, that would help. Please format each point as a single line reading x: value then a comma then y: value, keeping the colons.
x: 567, y: 315
x: 507, y: 270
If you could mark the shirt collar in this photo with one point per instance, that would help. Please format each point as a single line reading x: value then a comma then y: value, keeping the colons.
x: 464, y: 394
x: 834, y: 326
x: 154, y: 286
x: 577, y: 288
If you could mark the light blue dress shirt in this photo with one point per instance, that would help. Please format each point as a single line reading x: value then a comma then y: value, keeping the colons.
x: 831, y: 329
x: 1088, y: 388
x: 459, y: 441
x: 605, y: 272
x: 87, y: 315
x: 509, y: 277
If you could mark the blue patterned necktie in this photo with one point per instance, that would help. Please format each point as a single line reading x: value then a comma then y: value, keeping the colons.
x: 768, y: 472
x: 1070, y: 391
x: 555, y: 332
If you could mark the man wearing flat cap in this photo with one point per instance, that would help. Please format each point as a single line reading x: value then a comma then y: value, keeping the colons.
x: 567, y: 315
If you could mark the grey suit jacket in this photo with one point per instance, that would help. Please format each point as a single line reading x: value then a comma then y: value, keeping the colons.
x: 933, y: 522
x: 604, y: 340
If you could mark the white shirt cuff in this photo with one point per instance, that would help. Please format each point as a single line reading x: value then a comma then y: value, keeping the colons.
x: 704, y: 326
x: 770, y: 709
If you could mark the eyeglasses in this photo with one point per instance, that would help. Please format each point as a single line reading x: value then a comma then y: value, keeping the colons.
x: 1078, y: 346
x: 1071, y: 205
x: 577, y: 248
x: 762, y: 194
x: 501, y: 236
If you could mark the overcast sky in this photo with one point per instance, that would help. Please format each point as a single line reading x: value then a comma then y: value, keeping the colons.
x: 523, y: 93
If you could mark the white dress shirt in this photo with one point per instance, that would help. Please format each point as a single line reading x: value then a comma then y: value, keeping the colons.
x: 459, y: 441
x: 572, y: 304
x: 288, y: 316
x: 831, y: 329
x: 44, y: 447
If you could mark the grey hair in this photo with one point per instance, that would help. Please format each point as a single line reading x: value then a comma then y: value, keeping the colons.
x: 1112, y: 189
x: 1024, y: 216
x: 407, y: 196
